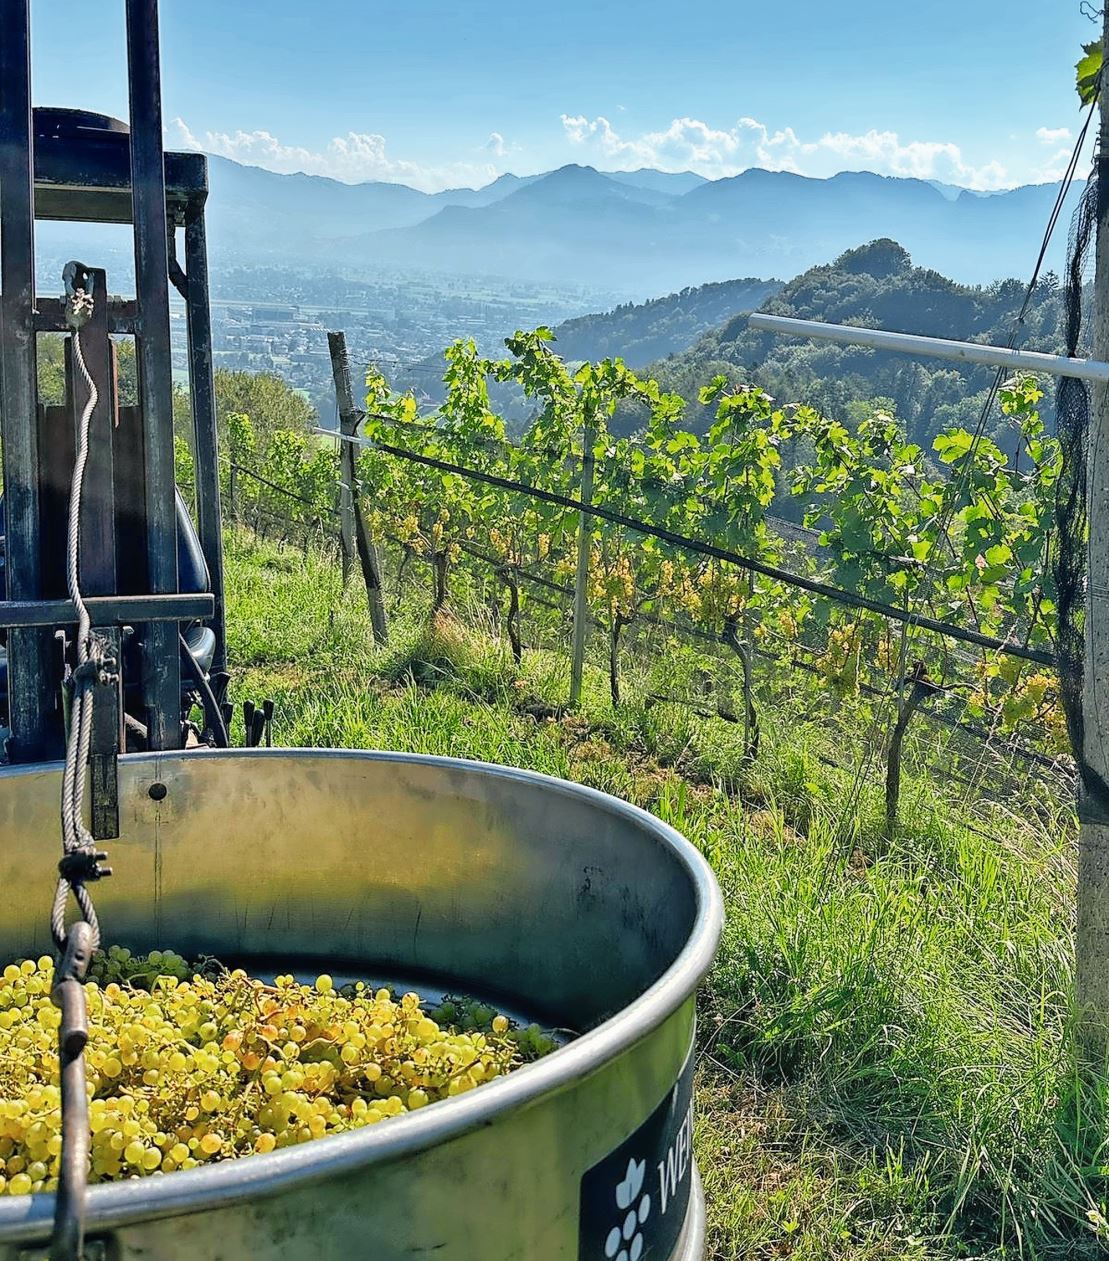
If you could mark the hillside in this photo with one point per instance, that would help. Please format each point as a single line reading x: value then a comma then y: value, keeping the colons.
x: 638, y: 333
x: 875, y: 285
x: 686, y: 338
x: 641, y: 332
x: 886, y: 1007
x: 850, y: 1061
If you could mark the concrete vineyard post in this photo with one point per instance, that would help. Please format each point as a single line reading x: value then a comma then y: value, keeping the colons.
x: 349, y: 417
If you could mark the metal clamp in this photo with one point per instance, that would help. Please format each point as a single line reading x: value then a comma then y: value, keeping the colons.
x: 81, y: 866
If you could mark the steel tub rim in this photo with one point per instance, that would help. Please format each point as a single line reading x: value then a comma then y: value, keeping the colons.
x: 113, y: 1205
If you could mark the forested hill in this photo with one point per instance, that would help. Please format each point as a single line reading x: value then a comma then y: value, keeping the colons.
x: 875, y: 285
x: 641, y: 332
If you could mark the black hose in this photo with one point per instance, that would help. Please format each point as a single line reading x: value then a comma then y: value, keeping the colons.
x: 212, y: 713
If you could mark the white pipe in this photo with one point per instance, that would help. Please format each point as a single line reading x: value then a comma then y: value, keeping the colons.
x: 935, y: 347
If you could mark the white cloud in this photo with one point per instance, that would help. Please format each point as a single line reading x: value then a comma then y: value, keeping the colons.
x: 717, y: 152
x: 1053, y: 169
x: 1053, y: 135
x: 352, y: 158
x: 496, y: 145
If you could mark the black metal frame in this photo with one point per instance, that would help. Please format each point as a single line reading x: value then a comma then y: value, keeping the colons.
x: 71, y: 166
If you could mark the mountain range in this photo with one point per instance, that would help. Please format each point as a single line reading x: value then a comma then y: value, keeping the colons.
x: 634, y: 232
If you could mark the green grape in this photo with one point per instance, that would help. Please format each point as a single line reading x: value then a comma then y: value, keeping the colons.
x: 468, y: 1015
x: 188, y: 1066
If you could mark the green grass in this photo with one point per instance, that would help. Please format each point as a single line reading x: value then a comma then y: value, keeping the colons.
x: 886, y: 1067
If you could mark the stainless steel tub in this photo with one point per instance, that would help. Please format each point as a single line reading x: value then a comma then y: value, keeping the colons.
x: 560, y: 901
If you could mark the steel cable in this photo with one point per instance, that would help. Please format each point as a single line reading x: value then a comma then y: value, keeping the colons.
x: 80, y: 857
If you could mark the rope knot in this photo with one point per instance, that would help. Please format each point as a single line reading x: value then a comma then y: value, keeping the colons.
x: 78, y: 308
x: 78, y: 299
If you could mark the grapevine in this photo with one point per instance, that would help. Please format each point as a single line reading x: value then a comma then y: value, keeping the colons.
x: 958, y: 533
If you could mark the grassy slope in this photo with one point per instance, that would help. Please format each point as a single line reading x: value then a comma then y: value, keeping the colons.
x: 884, y: 1068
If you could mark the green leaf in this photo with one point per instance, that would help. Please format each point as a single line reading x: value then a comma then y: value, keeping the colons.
x: 1088, y: 72
x: 952, y: 445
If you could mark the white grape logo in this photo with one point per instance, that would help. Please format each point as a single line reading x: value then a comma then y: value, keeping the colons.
x: 625, y: 1240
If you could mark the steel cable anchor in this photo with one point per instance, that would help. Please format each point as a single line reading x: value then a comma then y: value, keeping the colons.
x: 68, y: 995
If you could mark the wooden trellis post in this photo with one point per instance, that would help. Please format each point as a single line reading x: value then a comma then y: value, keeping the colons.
x: 348, y: 427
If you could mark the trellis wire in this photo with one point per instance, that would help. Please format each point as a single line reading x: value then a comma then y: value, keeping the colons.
x: 700, y: 547
x: 694, y: 632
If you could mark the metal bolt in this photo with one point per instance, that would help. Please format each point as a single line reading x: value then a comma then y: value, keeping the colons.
x: 157, y: 792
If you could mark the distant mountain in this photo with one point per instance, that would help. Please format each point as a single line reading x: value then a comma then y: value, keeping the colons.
x: 639, y: 232
x: 500, y: 187
x: 250, y: 204
x: 261, y: 214
x: 577, y: 186
x: 952, y: 191
x: 573, y: 224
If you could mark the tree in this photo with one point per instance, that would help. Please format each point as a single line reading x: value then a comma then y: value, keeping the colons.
x: 879, y: 259
x: 269, y: 402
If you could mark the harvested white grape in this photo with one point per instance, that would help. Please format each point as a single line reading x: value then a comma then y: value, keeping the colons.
x: 197, y: 1068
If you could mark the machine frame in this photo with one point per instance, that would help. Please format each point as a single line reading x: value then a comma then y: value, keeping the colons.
x: 78, y: 167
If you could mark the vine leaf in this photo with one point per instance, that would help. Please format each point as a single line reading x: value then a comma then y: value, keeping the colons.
x: 1088, y: 72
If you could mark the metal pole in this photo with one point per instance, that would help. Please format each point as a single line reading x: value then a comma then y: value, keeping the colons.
x: 35, y: 732
x: 1093, y: 370
x: 1092, y: 940
x: 205, y: 439
x: 161, y: 658
x: 585, y: 547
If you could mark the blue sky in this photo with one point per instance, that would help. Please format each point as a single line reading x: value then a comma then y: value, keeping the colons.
x: 977, y: 92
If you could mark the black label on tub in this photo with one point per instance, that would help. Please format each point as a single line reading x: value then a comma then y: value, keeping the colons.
x: 633, y: 1203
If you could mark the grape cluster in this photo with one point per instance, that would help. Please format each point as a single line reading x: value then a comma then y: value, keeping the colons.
x: 457, y: 1011
x: 189, y: 1071
x: 118, y: 964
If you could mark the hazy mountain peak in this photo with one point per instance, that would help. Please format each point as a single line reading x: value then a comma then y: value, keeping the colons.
x: 573, y: 173
x: 675, y: 183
